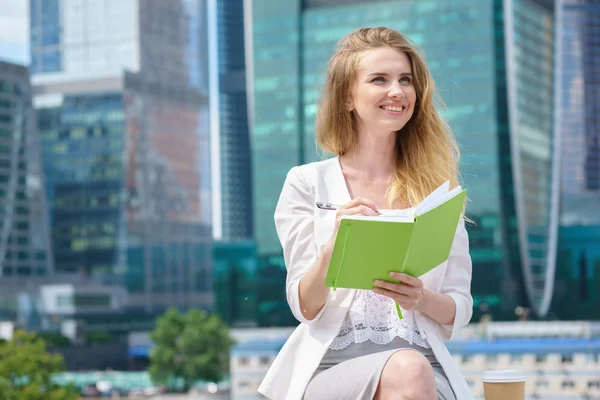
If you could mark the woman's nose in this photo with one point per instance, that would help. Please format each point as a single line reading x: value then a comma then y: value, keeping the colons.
x: 395, y: 91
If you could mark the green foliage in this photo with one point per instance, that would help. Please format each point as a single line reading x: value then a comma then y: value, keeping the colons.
x: 55, y: 339
x: 26, y: 369
x: 189, y: 347
x: 98, y: 337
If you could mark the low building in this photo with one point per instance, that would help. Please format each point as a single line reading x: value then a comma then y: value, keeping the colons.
x: 561, y: 360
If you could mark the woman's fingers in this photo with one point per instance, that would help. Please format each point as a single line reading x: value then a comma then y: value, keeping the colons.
x: 357, y: 206
x: 407, y: 279
x: 360, y: 209
x: 408, y: 293
x: 404, y: 301
x: 360, y: 201
x: 399, y: 288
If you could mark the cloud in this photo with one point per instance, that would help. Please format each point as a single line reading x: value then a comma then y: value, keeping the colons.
x: 14, y: 21
x: 14, y: 30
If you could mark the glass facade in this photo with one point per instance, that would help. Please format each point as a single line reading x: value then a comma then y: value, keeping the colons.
x: 235, y: 282
x: 277, y: 110
x: 24, y: 235
x: 78, y: 37
x: 127, y: 152
x: 82, y: 147
x: 531, y: 104
x: 292, y: 43
x: 577, y: 274
x: 578, y: 261
x: 235, y: 160
x: 45, y: 36
x: 579, y: 108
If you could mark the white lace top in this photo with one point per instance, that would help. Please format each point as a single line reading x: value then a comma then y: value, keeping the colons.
x: 374, y: 317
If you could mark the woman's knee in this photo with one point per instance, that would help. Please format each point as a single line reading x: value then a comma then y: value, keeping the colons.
x: 410, y: 374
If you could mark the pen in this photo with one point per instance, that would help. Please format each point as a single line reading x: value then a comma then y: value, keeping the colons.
x: 327, y: 206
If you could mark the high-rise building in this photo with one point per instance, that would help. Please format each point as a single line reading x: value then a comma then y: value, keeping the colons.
x: 25, y: 249
x: 493, y: 65
x: 121, y: 90
x: 578, y: 121
x: 235, y: 282
x: 234, y: 162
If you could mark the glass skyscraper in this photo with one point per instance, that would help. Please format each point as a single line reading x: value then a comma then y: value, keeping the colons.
x: 493, y: 62
x: 121, y: 90
x: 25, y: 249
x: 578, y: 110
x: 234, y: 145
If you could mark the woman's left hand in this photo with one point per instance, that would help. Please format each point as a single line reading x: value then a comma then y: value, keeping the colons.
x: 408, y: 293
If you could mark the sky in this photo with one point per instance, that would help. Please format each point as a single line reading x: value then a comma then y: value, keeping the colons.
x: 14, y: 31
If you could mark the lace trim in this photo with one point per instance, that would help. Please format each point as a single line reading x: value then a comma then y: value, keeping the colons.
x: 374, y: 317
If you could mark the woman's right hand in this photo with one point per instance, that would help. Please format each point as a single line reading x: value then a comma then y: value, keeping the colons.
x: 357, y: 206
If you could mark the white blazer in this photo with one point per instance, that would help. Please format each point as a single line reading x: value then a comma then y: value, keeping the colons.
x: 303, y: 229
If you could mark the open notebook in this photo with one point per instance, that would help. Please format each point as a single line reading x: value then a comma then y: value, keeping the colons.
x: 412, y: 241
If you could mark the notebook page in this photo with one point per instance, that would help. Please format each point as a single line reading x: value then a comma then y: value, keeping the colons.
x: 381, y: 218
x: 441, y: 190
x: 440, y: 200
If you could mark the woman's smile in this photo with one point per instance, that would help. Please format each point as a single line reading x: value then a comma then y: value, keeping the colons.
x: 396, y: 109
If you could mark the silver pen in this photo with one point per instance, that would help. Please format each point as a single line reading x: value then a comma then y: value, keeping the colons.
x: 327, y: 206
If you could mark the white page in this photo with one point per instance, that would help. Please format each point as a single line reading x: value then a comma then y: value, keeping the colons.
x: 440, y: 200
x: 440, y: 191
x: 381, y: 218
x: 396, y: 212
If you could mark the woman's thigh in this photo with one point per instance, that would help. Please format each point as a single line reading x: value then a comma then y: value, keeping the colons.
x: 356, y: 379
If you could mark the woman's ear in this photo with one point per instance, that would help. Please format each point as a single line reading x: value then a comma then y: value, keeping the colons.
x: 349, y: 105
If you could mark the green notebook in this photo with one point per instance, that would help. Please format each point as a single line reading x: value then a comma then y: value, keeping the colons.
x: 369, y: 248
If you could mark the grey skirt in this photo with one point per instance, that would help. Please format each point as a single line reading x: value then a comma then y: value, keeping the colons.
x: 353, y: 373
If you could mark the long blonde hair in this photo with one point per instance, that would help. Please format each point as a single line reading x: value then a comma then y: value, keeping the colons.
x: 427, y: 154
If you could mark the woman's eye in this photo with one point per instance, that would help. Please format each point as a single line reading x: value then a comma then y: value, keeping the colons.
x: 378, y: 79
x: 405, y: 79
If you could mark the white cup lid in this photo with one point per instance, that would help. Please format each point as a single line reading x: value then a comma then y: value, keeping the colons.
x: 503, y: 375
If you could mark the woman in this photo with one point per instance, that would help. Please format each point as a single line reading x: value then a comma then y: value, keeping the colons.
x: 377, y: 114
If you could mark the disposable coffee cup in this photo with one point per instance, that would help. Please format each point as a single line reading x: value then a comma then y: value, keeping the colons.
x: 504, y: 384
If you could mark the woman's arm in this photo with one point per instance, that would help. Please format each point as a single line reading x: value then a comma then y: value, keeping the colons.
x: 457, y: 281
x: 312, y: 292
x: 410, y: 294
x: 439, y: 307
x: 453, y: 306
x: 294, y: 221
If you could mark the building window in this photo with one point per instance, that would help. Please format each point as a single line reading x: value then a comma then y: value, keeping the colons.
x: 243, y: 361
x: 265, y: 360
x: 243, y: 384
x: 568, y: 384
x: 92, y: 300
x: 64, y: 300
x: 594, y: 384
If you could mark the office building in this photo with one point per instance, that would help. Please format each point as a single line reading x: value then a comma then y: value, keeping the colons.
x: 493, y: 65
x: 25, y: 249
x: 577, y: 110
x: 121, y: 91
x: 235, y: 281
x: 24, y: 236
x: 234, y: 162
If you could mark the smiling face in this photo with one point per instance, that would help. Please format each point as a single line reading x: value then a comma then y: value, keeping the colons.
x: 383, y: 96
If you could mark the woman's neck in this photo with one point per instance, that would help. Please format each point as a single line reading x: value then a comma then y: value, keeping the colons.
x: 374, y: 155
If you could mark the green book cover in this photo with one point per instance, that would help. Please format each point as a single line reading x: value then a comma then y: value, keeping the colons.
x: 370, y: 248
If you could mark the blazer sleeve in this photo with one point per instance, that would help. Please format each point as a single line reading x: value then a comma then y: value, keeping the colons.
x: 294, y: 222
x: 457, y: 281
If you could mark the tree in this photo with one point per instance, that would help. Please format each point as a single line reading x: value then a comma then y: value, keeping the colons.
x: 189, y: 347
x: 26, y: 370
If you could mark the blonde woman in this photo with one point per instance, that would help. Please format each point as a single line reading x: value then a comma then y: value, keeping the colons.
x: 378, y: 116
